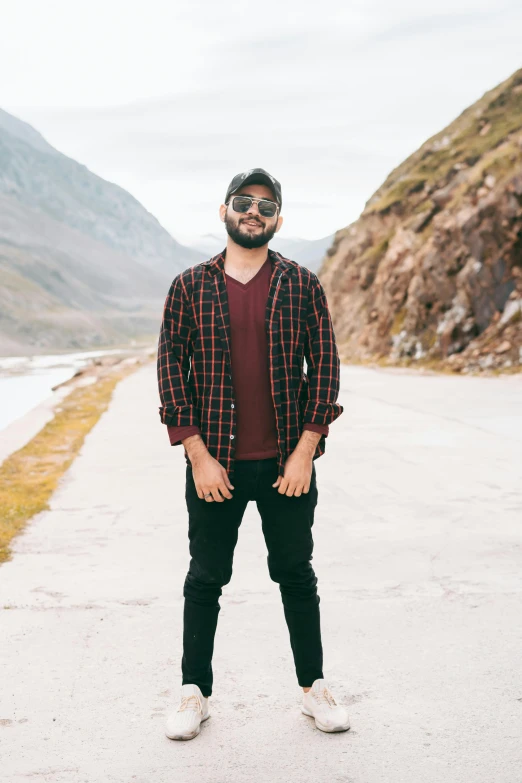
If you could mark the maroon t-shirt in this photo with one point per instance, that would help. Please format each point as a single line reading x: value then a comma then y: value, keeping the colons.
x: 256, y: 432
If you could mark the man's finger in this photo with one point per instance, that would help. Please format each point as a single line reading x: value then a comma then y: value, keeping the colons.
x: 227, y: 480
x: 291, y: 489
x: 225, y: 491
x: 216, y: 495
x: 202, y: 492
x: 283, y: 486
x: 206, y: 491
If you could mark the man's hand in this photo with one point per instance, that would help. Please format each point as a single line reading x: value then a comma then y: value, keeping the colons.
x: 298, y: 467
x: 209, y: 475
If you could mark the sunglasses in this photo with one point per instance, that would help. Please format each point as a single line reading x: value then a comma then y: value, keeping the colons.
x: 243, y: 203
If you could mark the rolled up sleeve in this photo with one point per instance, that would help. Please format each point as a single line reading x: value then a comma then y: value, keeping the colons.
x: 173, y: 362
x: 322, y: 359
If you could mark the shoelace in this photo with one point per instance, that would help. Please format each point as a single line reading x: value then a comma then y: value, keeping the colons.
x: 190, y: 702
x: 324, y: 697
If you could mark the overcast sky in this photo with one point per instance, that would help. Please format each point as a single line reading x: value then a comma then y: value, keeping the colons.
x: 171, y: 100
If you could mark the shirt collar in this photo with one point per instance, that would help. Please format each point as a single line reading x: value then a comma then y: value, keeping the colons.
x: 217, y: 263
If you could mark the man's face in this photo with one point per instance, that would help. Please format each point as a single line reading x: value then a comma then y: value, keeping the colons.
x: 250, y: 229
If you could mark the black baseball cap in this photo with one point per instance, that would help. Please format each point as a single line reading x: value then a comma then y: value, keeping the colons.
x: 255, y: 177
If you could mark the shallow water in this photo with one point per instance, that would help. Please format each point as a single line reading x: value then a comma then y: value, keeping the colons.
x: 25, y: 381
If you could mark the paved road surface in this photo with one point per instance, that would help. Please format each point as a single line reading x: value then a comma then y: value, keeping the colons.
x: 418, y: 550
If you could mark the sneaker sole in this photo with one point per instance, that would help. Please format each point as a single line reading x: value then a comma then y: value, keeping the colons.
x: 188, y: 736
x: 322, y: 727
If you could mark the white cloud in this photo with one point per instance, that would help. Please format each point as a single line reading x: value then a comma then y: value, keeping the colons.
x: 171, y: 101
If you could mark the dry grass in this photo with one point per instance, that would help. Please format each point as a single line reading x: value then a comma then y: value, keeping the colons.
x: 29, y: 477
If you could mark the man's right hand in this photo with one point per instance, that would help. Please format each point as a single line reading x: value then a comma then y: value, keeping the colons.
x: 209, y: 475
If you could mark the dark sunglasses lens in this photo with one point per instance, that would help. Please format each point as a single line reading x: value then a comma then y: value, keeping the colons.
x: 241, y: 204
x: 267, y: 208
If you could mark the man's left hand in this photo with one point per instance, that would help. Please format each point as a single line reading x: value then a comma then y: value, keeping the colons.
x: 297, y: 474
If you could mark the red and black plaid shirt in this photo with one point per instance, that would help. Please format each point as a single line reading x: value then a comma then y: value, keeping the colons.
x: 194, y: 369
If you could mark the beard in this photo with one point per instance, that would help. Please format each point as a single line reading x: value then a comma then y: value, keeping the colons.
x: 242, y: 236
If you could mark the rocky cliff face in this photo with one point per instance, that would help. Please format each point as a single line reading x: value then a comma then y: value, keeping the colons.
x: 432, y: 269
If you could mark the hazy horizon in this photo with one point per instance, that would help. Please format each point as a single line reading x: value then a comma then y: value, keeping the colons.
x: 170, y: 103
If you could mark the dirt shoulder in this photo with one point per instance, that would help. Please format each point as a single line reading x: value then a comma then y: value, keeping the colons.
x: 30, y: 475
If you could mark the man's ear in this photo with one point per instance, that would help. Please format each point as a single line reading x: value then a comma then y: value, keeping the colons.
x: 279, y: 223
x: 222, y: 212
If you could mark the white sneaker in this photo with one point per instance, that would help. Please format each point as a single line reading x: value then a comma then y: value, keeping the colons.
x: 320, y: 704
x: 184, y: 723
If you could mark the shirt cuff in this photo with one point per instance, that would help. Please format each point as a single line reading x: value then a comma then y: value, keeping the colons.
x: 177, y: 434
x: 322, y: 429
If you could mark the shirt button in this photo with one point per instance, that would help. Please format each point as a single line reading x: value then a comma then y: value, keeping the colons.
x: 231, y: 437
x: 231, y: 404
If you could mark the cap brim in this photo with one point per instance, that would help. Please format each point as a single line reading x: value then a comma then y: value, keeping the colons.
x: 257, y: 179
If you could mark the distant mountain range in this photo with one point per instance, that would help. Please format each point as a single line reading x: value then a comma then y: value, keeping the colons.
x: 307, y: 252
x: 82, y: 262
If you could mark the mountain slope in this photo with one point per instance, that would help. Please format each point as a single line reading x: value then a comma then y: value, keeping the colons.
x: 432, y: 269
x: 308, y: 252
x: 82, y: 262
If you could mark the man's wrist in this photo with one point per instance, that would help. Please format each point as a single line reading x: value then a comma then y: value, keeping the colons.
x: 308, y: 442
x: 195, y: 447
x: 322, y: 429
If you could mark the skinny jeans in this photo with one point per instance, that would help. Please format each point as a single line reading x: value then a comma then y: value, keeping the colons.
x: 213, y: 529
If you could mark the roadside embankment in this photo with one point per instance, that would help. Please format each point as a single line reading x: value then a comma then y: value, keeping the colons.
x: 35, y: 457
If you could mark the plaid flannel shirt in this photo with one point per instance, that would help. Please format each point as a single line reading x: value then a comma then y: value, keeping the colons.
x: 193, y: 361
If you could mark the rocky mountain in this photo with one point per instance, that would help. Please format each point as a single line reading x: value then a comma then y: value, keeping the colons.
x: 431, y: 272
x: 82, y: 262
x: 308, y: 252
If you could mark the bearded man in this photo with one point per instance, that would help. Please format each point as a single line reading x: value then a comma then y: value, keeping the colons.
x: 235, y: 333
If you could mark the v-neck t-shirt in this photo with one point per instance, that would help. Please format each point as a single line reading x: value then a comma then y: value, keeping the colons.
x: 256, y: 431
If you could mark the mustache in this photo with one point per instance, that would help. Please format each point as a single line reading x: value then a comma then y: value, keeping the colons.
x: 250, y: 220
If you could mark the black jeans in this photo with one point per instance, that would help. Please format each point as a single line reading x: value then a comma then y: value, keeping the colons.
x: 213, y: 532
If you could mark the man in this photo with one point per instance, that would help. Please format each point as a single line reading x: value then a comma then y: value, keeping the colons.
x: 234, y: 335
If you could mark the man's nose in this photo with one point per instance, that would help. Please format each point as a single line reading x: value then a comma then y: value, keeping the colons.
x: 253, y: 208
